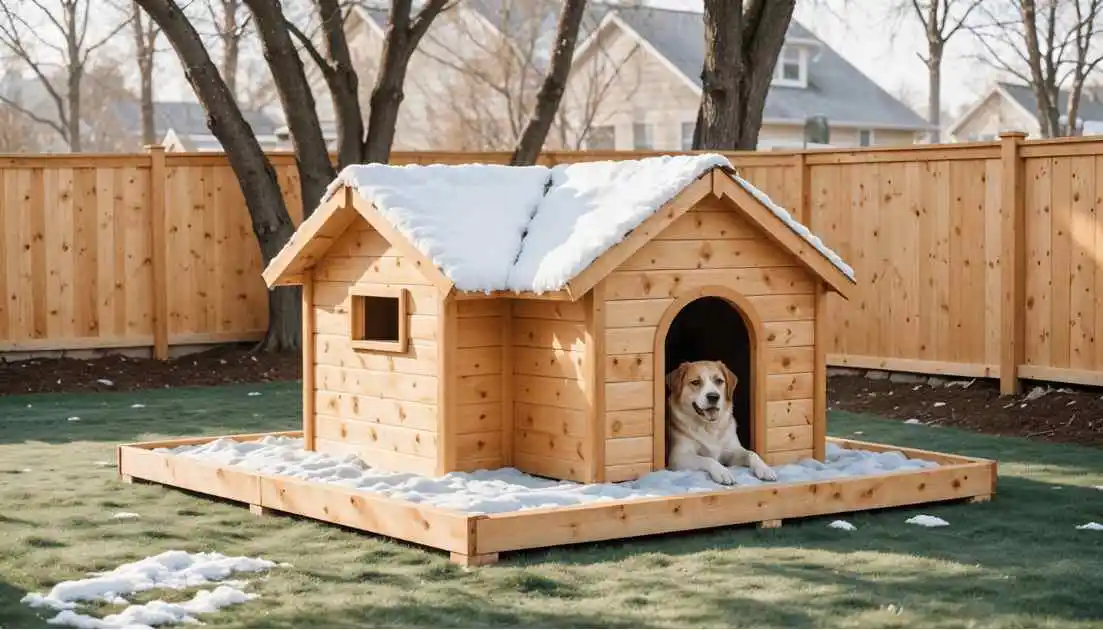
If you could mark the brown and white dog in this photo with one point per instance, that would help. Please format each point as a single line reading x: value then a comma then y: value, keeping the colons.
x: 701, y: 428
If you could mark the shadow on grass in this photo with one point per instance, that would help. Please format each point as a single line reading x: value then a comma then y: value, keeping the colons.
x: 15, y: 614
x: 135, y: 416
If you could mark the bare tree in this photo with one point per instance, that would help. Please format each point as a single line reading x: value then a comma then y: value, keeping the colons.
x: 271, y: 220
x: 146, y: 32
x: 30, y: 27
x: 1046, y: 44
x: 941, y: 20
x: 744, y: 39
x: 555, y: 83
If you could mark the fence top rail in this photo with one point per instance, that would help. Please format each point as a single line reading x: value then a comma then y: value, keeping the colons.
x: 905, y: 153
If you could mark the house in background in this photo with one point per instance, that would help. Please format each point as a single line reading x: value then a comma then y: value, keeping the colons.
x: 1010, y: 107
x: 648, y: 61
x: 182, y: 126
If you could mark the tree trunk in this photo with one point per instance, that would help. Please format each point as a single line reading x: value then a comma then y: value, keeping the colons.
x: 403, y: 35
x: 718, y: 113
x: 555, y: 83
x: 259, y: 185
x: 231, y: 44
x: 297, y: 97
x: 934, y: 93
x: 343, y: 83
x: 1077, y: 89
x: 743, y: 44
x: 764, y: 27
x: 76, y: 71
x: 145, y: 38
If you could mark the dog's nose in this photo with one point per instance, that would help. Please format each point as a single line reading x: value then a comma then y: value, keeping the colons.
x: 712, y: 397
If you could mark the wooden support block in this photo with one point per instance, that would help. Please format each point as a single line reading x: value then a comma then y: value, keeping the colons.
x: 133, y: 480
x: 260, y: 510
x: 980, y: 498
x: 773, y: 523
x: 474, y: 560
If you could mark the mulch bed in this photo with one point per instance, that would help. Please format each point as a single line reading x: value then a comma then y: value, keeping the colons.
x: 223, y: 365
x: 1054, y: 413
x: 1059, y: 414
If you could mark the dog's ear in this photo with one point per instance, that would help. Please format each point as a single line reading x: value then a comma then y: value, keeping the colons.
x: 730, y: 381
x: 676, y: 378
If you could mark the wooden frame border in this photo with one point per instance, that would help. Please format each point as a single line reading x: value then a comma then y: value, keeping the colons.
x: 478, y: 539
x: 357, y: 315
x: 754, y: 325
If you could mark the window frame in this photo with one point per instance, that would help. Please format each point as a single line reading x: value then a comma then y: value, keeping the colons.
x: 612, y: 137
x: 648, y: 136
x: 871, y: 141
x: 357, y: 314
x: 779, y: 77
x: 692, y: 127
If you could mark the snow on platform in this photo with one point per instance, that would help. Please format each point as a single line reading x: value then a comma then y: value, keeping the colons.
x: 510, y: 490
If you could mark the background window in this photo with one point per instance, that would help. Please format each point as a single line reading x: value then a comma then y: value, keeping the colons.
x: 687, y: 135
x: 641, y: 136
x: 865, y: 137
x: 378, y: 320
x: 602, y: 138
x: 790, y: 66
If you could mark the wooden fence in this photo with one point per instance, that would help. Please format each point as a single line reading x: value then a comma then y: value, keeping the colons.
x: 972, y: 259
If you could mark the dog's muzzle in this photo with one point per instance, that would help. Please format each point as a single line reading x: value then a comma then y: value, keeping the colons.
x: 711, y: 414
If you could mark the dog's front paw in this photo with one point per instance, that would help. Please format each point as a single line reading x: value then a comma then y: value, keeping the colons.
x: 764, y: 472
x: 721, y: 475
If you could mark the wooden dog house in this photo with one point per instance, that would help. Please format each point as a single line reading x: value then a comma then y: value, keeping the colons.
x: 467, y: 317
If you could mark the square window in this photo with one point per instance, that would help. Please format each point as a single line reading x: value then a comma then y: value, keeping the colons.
x: 790, y: 67
x: 865, y: 137
x: 378, y: 319
x: 687, y: 135
x: 602, y: 138
x: 641, y: 136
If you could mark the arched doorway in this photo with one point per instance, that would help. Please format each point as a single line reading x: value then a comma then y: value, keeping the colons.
x: 713, y: 324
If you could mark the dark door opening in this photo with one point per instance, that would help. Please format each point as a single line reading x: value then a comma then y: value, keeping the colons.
x: 710, y: 329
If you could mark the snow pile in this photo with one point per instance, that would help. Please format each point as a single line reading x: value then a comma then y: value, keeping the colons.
x: 532, y: 228
x: 797, y: 227
x: 926, y: 520
x: 175, y: 570
x: 846, y: 526
x: 1093, y: 526
x: 510, y: 490
x: 592, y: 206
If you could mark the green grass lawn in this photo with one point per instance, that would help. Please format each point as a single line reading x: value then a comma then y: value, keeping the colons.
x: 1018, y: 561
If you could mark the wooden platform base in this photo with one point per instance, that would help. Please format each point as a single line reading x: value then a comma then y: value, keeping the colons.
x: 476, y: 540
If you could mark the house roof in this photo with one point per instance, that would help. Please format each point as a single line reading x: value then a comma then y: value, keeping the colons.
x: 1091, y: 101
x: 491, y: 228
x: 184, y: 118
x: 836, y: 88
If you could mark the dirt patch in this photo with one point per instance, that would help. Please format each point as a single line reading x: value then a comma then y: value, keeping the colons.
x: 223, y: 365
x: 1050, y: 413
x: 1055, y: 414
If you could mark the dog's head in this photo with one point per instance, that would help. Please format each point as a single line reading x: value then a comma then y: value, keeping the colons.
x: 706, y: 387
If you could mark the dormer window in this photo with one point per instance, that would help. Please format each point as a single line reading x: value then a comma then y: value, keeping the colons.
x: 792, y: 67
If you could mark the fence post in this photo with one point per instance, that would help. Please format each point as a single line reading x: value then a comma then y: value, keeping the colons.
x: 158, y: 253
x: 1013, y: 261
x: 804, y: 189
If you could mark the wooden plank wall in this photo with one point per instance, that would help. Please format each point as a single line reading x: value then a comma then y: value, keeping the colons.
x: 381, y: 406
x: 549, y: 388
x: 921, y: 226
x: 480, y: 383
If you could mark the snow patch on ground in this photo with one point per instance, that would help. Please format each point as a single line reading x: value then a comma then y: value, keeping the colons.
x: 124, y: 516
x: 174, y: 570
x: 510, y: 490
x: 926, y: 520
x: 1093, y: 526
x: 843, y: 525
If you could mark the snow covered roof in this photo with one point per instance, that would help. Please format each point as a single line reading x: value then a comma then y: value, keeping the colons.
x: 525, y: 229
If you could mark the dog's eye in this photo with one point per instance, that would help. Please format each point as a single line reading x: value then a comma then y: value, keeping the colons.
x: 695, y: 382
x: 718, y: 381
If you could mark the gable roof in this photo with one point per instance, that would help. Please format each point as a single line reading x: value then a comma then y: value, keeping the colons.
x: 1091, y: 101
x: 836, y: 88
x: 491, y: 228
